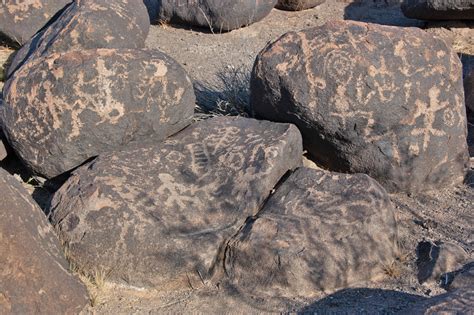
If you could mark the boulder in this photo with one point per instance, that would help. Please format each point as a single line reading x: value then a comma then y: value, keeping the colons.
x: 89, y: 24
x: 381, y: 100
x: 20, y: 20
x: 459, y: 301
x: 462, y: 278
x: 319, y: 231
x: 217, y: 15
x: 438, y: 9
x: 437, y: 258
x: 160, y: 214
x: 68, y: 107
x: 298, y: 5
x: 34, y: 277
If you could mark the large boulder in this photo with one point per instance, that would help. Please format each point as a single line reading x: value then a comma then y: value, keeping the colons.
x: 298, y: 5
x: 20, y: 20
x: 380, y: 100
x: 61, y: 110
x: 161, y: 214
x: 89, y: 24
x: 319, y: 231
x: 34, y: 277
x: 217, y: 15
x: 438, y: 9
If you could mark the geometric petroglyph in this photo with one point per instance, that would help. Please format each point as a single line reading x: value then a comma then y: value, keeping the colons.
x: 159, y: 214
x: 385, y: 101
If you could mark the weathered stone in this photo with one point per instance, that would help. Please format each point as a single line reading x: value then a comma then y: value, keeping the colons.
x: 380, y: 100
x: 20, y: 20
x: 462, y: 278
x: 438, y: 258
x: 460, y: 301
x: 438, y: 9
x: 160, y: 214
x: 64, y: 109
x: 319, y: 231
x: 34, y: 277
x: 217, y: 15
x: 469, y: 89
x: 89, y: 24
x: 298, y: 5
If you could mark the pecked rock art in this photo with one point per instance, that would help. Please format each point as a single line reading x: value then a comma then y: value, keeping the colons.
x: 68, y: 107
x: 319, y: 231
x: 438, y: 9
x: 159, y: 214
x: 89, y: 24
x: 217, y: 15
x: 34, y: 274
x: 20, y: 20
x: 298, y: 5
x: 380, y: 100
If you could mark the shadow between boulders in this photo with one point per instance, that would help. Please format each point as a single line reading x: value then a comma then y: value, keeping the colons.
x: 227, y: 94
x: 386, y: 12
x: 362, y: 301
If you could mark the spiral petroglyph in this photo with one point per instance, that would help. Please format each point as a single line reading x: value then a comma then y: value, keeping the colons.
x: 385, y: 101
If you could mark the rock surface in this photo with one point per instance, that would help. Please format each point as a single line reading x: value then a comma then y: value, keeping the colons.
x: 463, y: 278
x: 380, y: 100
x: 298, y: 5
x: 438, y: 258
x: 34, y: 277
x: 469, y: 89
x: 64, y: 109
x: 20, y: 20
x: 320, y: 231
x: 160, y: 214
x: 89, y: 24
x: 460, y: 301
x: 217, y: 15
x: 438, y: 9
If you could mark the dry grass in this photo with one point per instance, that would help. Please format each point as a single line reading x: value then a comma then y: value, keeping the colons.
x: 95, y: 281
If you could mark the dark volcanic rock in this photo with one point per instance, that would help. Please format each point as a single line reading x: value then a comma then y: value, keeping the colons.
x: 64, y: 109
x: 380, y: 100
x: 34, y: 277
x: 460, y: 301
x: 469, y: 89
x: 298, y: 5
x: 439, y: 9
x: 20, y: 20
x: 218, y: 15
x: 89, y: 24
x: 319, y: 231
x: 160, y: 214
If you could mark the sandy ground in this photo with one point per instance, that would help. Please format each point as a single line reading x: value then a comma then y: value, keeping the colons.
x: 444, y: 215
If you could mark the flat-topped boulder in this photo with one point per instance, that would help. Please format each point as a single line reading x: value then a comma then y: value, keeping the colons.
x: 381, y: 100
x: 63, y: 109
x: 160, y: 214
x: 319, y: 231
x: 34, y: 275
